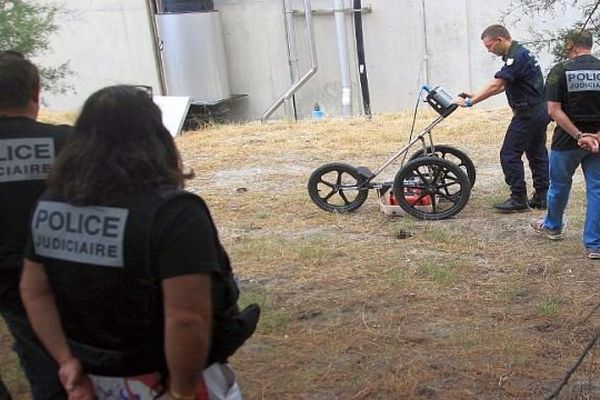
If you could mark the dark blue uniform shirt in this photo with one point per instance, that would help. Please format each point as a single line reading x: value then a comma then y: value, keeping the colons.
x: 523, y: 76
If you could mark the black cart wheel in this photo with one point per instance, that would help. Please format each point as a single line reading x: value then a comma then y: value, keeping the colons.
x: 334, y: 187
x: 431, y: 188
x: 453, y: 154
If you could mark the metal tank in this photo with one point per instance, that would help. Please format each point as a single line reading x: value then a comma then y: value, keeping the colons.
x: 184, y: 5
x: 193, y: 55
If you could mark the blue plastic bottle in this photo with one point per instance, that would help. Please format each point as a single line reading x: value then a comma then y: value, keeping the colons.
x: 316, y: 112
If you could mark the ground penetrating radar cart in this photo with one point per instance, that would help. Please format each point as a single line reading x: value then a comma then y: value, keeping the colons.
x: 434, y: 184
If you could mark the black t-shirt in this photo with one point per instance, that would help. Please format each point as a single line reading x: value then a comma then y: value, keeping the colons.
x: 105, y: 265
x: 523, y: 76
x: 576, y: 85
x: 27, y: 150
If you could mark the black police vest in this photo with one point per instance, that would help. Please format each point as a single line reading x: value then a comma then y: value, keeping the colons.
x: 27, y: 151
x: 582, y: 91
x: 108, y: 251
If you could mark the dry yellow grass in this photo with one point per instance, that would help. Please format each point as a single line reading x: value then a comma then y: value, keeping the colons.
x: 54, y: 117
x: 474, y: 307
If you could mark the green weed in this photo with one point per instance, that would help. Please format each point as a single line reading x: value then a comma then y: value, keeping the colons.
x: 397, y: 276
x: 442, y: 272
x: 272, y: 320
x: 263, y: 214
x: 509, y: 293
x: 314, y: 251
x: 548, y: 307
x: 262, y: 249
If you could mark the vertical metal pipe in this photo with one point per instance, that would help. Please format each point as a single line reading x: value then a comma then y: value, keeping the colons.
x: 360, y: 54
x: 426, y: 56
x: 342, y: 44
x: 469, y: 49
x: 288, y: 19
x: 152, y: 9
x: 311, y: 35
x: 313, y: 63
x: 291, y: 41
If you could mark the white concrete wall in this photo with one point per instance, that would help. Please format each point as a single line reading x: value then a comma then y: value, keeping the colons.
x: 256, y: 52
x: 407, y: 43
x: 106, y: 42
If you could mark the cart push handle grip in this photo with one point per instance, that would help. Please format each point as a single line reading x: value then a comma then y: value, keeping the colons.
x: 440, y: 100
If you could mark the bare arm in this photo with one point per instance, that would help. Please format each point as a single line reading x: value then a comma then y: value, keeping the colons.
x: 41, y: 309
x: 38, y: 300
x: 490, y: 89
x: 188, y: 315
x: 556, y: 112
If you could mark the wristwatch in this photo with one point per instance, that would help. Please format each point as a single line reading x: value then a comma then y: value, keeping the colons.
x: 578, y: 135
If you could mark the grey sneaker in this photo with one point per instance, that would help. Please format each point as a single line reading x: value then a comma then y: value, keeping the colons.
x: 552, y: 234
x: 593, y: 255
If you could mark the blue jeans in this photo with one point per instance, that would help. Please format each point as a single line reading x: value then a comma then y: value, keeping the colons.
x: 563, y: 164
x: 40, y: 368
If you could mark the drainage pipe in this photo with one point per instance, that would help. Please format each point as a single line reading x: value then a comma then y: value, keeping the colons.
x: 313, y: 63
x: 362, y: 63
x: 469, y: 49
x: 342, y: 44
x: 425, y: 44
x: 288, y: 18
x: 152, y: 10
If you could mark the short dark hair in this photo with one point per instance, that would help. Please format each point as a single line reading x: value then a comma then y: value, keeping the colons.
x: 579, y: 38
x: 494, y: 31
x: 19, y: 80
x: 119, y: 147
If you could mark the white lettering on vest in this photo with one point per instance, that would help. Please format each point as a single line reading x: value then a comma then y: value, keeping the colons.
x: 90, y: 235
x: 581, y: 81
x: 25, y: 159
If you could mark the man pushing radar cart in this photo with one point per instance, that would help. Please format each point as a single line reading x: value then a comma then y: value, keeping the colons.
x: 429, y: 186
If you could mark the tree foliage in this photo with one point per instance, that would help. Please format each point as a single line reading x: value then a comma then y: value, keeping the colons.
x: 553, y: 40
x: 26, y: 26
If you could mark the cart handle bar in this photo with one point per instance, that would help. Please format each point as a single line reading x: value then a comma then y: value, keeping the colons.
x: 405, y: 148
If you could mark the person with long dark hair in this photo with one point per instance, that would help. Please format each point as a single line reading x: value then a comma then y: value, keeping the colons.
x: 124, y: 274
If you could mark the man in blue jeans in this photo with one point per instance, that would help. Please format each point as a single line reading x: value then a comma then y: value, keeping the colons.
x: 573, y: 95
x: 27, y: 150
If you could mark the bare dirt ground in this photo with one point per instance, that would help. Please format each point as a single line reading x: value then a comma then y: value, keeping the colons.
x: 474, y: 307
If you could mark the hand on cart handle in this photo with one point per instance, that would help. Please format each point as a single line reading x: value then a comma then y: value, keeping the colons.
x: 463, y: 100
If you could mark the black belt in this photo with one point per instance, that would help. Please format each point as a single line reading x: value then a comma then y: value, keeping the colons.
x: 105, y: 362
x: 523, y: 109
x: 525, y: 106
